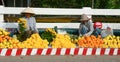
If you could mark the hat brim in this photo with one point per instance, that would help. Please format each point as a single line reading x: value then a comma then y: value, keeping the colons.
x: 27, y: 13
x: 84, y: 19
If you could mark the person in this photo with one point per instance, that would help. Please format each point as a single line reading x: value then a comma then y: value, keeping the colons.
x: 31, y: 22
x: 106, y: 32
x: 86, y: 26
x: 97, y: 28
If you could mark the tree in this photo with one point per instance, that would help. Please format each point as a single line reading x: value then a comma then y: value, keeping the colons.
x: 114, y: 4
x: 61, y: 3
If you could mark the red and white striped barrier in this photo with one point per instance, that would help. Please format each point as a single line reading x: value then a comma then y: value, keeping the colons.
x: 60, y: 51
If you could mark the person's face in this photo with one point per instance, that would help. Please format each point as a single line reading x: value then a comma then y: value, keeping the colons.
x: 84, y: 21
x: 27, y: 15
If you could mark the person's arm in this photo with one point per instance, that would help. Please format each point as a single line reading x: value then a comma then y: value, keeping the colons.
x: 91, y: 29
x: 112, y: 32
x: 80, y: 30
x: 103, y: 33
x: 18, y: 29
x: 34, y: 25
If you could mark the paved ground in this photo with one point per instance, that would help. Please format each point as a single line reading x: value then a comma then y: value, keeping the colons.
x: 60, y: 59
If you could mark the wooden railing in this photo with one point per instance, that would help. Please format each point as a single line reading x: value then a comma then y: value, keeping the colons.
x: 66, y: 19
x: 59, y: 11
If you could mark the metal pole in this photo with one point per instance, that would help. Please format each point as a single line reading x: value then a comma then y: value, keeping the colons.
x: 14, y: 3
x: 28, y: 3
x: 3, y: 3
x: 92, y: 3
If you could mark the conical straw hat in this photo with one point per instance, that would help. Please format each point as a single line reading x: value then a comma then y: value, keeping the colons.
x: 27, y: 10
x: 84, y: 17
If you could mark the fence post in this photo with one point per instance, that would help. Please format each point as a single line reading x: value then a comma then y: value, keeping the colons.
x: 1, y: 15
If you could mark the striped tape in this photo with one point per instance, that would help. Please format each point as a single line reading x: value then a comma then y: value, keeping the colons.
x: 60, y: 51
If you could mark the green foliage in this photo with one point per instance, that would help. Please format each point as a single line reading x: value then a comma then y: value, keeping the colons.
x: 22, y: 26
x: 47, y: 35
x: 114, y: 4
x: 109, y: 4
x: 61, y: 3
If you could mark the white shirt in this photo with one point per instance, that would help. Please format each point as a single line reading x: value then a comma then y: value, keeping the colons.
x: 31, y: 23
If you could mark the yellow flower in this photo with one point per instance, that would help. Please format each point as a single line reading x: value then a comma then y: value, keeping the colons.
x: 23, y: 22
x: 51, y: 30
x: 0, y: 33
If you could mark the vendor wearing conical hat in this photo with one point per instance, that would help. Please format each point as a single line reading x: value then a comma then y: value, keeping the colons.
x: 31, y: 22
x: 86, y: 26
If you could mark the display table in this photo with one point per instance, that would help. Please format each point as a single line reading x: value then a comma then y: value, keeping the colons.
x: 60, y: 51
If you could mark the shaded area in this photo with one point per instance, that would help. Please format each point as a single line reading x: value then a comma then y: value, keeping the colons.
x: 65, y: 19
x: 75, y: 31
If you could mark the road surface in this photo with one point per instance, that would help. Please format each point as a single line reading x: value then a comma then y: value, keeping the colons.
x: 77, y: 58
